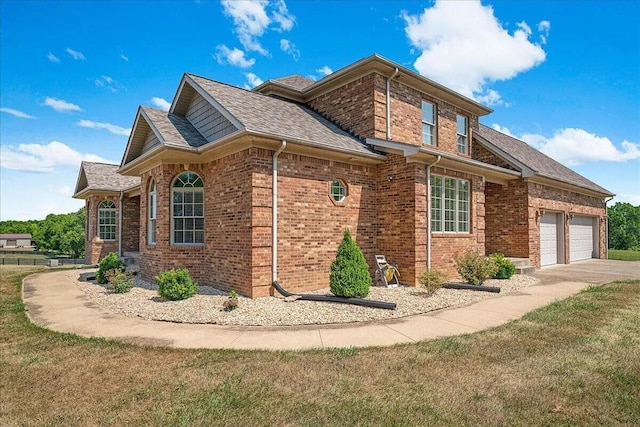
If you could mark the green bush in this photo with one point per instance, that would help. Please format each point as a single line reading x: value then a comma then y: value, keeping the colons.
x: 110, y: 262
x: 432, y: 280
x: 475, y: 268
x: 176, y: 284
x: 506, y: 269
x: 119, y: 281
x: 349, y: 272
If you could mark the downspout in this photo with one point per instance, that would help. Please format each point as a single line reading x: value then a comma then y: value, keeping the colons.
x: 274, y: 214
x: 606, y: 222
x: 429, y: 210
x: 395, y: 73
x: 120, y: 224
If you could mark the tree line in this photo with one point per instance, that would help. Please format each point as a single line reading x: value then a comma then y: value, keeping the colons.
x: 624, y: 226
x: 62, y: 233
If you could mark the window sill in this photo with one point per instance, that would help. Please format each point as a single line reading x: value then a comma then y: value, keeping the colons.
x: 442, y: 235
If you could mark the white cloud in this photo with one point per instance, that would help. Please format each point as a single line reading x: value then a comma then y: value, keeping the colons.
x: 161, y: 103
x: 118, y: 130
x: 76, y: 55
x: 252, y: 80
x: 462, y: 45
x: 543, y: 28
x: 124, y: 57
x: 634, y: 199
x: 43, y: 157
x: 572, y: 146
x: 233, y: 56
x: 325, y: 71
x: 61, y: 105
x: 16, y: 113
x: 289, y: 47
x: 108, y: 83
x: 51, y: 57
x: 65, y: 191
x: 252, y: 18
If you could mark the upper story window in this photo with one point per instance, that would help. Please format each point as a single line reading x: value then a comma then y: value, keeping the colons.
x: 152, y: 214
x: 428, y: 123
x: 107, y: 220
x: 187, y: 210
x: 338, y: 190
x: 449, y: 205
x: 463, y: 134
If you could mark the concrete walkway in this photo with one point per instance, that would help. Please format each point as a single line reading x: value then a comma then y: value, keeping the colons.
x: 55, y: 302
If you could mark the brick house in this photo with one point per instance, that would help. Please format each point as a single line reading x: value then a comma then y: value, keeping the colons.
x: 243, y: 187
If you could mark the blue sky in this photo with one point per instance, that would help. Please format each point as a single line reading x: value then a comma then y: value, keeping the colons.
x: 563, y: 75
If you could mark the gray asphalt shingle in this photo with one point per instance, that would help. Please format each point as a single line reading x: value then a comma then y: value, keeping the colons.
x: 295, y: 81
x: 538, y: 162
x: 175, y: 130
x: 103, y: 176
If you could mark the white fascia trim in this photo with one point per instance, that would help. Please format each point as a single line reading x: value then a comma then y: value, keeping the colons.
x: 130, y: 139
x: 227, y: 115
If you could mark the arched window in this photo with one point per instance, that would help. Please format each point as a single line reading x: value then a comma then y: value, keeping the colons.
x: 151, y: 233
x: 187, y: 210
x: 107, y: 220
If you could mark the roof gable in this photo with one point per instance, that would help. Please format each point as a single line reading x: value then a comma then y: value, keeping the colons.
x: 95, y: 176
x: 522, y: 155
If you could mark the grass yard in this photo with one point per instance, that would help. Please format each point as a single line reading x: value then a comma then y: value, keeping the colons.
x: 574, y: 362
x: 623, y: 255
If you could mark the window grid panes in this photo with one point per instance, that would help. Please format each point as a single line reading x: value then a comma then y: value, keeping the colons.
x: 338, y: 190
x: 152, y: 213
x: 428, y: 123
x: 463, y: 140
x: 449, y: 205
x: 107, y: 220
x: 187, y: 209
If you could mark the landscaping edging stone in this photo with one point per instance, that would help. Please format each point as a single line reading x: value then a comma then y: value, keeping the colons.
x: 494, y: 289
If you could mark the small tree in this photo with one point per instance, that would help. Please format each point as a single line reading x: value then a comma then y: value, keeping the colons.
x: 350, y: 271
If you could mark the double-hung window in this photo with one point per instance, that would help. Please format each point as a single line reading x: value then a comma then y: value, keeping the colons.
x: 428, y: 123
x: 187, y: 209
x: 107, y: 220
x: 152, y: 213
x: 463, y: 134
x: 449, y: 205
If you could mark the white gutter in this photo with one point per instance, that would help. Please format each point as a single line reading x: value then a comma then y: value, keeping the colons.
x: 274, y: 214
x: 606, y: 221
x: 395, y: 73
x: 429, y: 211
x: 120, y: 224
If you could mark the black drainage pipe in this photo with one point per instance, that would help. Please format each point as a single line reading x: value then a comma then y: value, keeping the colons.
x: 471, y: 287
x: 332, y: 298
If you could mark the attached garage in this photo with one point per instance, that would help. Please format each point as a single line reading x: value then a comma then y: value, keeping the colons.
x: 583, y: 238
x: 549, y: 242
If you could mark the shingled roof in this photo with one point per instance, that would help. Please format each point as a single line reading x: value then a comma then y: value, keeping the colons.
x: 279, y: 118
x: 295, y: 81
x: 175, y: 130
x: 103, y: 177
x: 540, y: 164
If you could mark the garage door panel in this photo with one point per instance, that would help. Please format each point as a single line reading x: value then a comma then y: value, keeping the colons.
x: 581, y: 238
x: 548, y: 239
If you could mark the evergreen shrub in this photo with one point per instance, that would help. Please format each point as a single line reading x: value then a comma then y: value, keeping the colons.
x: 349, y: 271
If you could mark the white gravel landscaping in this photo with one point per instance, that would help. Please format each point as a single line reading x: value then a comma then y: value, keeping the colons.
x: 206, y: 307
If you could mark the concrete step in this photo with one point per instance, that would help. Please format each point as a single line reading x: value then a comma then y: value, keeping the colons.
x: 523, y: 265
x: 525, y: 270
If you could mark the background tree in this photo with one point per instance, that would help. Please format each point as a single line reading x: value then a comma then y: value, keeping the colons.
x: 624, y: 226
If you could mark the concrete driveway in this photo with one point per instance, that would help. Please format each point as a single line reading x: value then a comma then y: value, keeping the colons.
x: 54, y: 301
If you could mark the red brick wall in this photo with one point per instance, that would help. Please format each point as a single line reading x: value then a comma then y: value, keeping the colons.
x: 351, y: 106
x: 131, y: 224
x: 507, y: 219
x: 310, y: 223
x: 482, y: 154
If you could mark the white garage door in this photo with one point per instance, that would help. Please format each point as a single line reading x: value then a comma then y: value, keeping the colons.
x: 548, y: 239
x: 581, y: 238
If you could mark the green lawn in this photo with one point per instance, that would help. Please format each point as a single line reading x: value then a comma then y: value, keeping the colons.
x: 573, y: 362
x: 624, y: 255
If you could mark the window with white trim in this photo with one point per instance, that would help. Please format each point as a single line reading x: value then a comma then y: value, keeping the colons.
x: 449, y: 205
x: 463, y: 134
x: 338, y: 190
x: 151, y: 207
x: 107, y: 220
x: 428, y: 123
x: 187, y: 210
